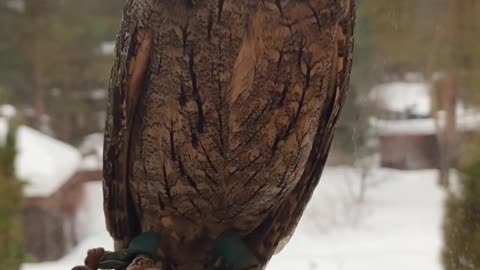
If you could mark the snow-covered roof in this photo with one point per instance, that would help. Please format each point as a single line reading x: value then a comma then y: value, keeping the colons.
x: 466, y: 121
x: 92, y: 151
x: 402, y: 97
x: 43, y: 162
x: 92, y: 162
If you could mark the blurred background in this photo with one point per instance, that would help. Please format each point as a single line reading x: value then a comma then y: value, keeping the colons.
x: 402, y: 185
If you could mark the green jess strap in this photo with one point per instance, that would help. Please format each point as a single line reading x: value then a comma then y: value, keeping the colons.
x: 229, y: 246
x: 236, y: 254
x: 147, y: 243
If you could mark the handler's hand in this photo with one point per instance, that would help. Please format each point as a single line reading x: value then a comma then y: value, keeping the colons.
x: 92, y: 260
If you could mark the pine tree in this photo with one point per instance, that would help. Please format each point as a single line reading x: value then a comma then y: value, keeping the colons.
x: 11, y: 230
x: 352, y: 127
x: 461, y: 227
x: 352, y: 130
x: 53, y: 60
x: 13, y: 80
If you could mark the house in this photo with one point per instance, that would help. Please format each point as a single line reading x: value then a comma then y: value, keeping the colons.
x: 401, y: 100
x: 407, y: 133
x: 54, y: 174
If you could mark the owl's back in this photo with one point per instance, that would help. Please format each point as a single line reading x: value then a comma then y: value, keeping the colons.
x: 230, y: 107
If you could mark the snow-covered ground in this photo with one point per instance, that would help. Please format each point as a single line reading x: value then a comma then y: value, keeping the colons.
x: 397, y: 227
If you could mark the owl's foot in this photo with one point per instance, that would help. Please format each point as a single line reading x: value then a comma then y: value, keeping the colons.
x: 141, y: 254
x: 234, y: 252
x: 146, y: 244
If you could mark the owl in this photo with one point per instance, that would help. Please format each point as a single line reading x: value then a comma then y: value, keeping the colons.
x: 220, y: 117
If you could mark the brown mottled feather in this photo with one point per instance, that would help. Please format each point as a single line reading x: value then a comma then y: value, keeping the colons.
x: 220, y: 116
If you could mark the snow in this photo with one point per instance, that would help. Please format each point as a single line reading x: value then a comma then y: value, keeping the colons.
x: 7, y: 111
x: 91, y: 210
x: 16, y: 5
x: 91, y: 163
x: 107, y: 47
x: 99, y: 94
x: 92, y: 151
x: 466, y: 121
x: 42, y: 162
x: 403, y: 96
x: 76, y: 257
x: 413, y: 97
x: 397, y: 227
x: 92, y: 144
x: 425, y: 126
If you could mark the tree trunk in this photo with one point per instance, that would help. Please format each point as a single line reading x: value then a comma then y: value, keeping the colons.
x: 444, y: 100
x: 38, y: 95
x: 447, y: 128
x: 34, y: 11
